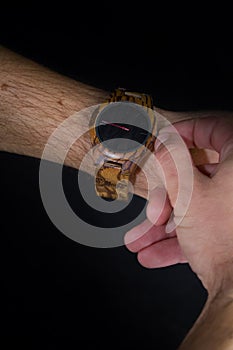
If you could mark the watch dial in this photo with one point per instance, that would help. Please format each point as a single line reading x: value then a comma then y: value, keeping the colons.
x: 124, y: 125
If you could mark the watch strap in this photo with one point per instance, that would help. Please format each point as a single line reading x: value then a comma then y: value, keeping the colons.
x: 121, y: 94
x: 113, y: 177
x: 112, y: 181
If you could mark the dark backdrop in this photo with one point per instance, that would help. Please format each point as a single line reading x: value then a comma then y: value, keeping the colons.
x: 54, y: 286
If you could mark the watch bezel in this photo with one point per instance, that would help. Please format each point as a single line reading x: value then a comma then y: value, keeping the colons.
x: 110, y: 152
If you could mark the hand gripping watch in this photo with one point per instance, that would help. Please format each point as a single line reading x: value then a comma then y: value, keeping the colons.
x: 122, y: 130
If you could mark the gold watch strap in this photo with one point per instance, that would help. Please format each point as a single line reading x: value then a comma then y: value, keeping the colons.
x: 135, y: 97
x: 112, y: 180
x: 113, y: 177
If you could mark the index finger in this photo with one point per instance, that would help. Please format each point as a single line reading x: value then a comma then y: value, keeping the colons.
x: 209, y: 132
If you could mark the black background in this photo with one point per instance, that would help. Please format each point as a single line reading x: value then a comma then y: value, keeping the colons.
x: 54, y: 286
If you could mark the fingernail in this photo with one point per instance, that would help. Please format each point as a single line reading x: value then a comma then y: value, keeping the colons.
x: 136, y: 232
x: 130, y: 236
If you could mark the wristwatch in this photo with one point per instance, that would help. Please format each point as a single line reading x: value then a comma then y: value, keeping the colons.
x: 122, y: 131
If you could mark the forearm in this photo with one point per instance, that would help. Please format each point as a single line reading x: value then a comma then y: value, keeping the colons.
x: 34, y: 101
x: 214, y: 328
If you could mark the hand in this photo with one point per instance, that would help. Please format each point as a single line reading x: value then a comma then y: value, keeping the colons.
x: 204, y: 237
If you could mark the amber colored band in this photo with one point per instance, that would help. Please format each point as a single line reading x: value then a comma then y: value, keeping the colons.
x: 112, y: 178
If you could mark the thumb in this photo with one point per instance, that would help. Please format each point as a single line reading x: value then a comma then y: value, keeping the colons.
x: 177, y: 173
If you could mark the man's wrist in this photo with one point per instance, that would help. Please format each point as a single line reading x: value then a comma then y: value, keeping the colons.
x: 214, y: 327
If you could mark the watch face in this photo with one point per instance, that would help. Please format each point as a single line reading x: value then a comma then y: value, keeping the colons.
x: 124, y: 125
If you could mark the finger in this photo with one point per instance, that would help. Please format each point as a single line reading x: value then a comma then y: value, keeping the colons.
x: 137, y: 232
x: 209, y: 132
x: 174, y: 158
x: 163, y: 253
x: 159, y: 208
x: 181, y: 177
x: 153, y: 235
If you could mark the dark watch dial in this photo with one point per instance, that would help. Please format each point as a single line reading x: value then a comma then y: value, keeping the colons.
x: 124, y: 125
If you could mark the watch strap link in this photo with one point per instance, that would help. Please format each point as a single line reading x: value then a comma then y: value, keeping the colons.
x: 121, y: 94
x: 112, y: 180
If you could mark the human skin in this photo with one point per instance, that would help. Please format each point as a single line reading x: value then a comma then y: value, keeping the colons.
x: 34, y: 101
x: 204, y: 236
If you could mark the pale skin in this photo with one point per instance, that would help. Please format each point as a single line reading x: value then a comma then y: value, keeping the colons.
x: 204, y: 238
x: 34, y: 101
